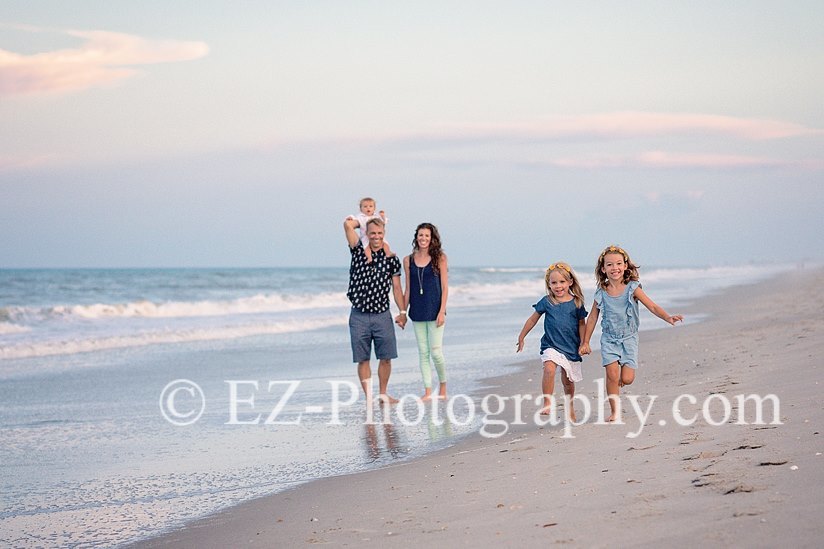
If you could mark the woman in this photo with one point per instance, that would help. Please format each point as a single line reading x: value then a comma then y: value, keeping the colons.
x: 425, y: 298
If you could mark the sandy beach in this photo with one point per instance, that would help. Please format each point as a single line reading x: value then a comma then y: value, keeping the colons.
x: 743, y: 482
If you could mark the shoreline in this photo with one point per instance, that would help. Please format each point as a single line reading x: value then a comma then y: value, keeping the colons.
x: 718, y: 485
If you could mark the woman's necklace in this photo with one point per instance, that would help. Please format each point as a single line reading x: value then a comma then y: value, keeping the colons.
x: 420, y: 275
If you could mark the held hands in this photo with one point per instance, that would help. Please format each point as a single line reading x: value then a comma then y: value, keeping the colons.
x: 400, y: 320
x: 584, y: 349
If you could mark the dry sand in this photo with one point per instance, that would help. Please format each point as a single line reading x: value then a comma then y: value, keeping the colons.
x: 727, y: 485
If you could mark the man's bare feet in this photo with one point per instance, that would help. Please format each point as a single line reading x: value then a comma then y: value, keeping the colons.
x: 572, y: 416
x: 612, y: 418
x: 386, y: 399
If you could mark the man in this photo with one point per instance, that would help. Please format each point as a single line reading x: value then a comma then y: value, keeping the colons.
x: 370, y: 320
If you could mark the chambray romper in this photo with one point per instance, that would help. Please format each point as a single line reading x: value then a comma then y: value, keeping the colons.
x: 619, y: 326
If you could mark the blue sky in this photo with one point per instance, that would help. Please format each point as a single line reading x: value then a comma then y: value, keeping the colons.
x: 164, y: 133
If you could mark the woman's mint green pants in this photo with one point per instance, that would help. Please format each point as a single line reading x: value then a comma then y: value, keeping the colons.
x: 430, y: 345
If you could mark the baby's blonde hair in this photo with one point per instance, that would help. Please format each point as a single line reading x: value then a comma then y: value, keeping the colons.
x: 574, y: 286
x: 366, y: 199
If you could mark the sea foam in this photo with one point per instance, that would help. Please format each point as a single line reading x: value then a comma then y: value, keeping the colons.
x: 85, y: 345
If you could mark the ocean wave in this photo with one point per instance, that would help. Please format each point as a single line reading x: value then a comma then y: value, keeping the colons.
x: 512, y: 269
x: 469, y: 294
x: 74, y: 346
x: 474, y: 290
x: 260, y: 303
x: 727, y: 275
x: 7, y: 328
x: 477, y: 294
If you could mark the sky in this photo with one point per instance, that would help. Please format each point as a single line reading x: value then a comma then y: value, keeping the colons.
x: 211, y: 133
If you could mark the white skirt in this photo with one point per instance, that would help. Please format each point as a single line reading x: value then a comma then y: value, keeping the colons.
x: 572, y: 369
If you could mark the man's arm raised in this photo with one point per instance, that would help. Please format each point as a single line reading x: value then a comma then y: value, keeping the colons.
x: 349, y: 226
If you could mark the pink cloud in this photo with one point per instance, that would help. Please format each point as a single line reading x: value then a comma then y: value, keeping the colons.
x: 10, y: 163
x: 630, y: 124
x: 661, y: 159
x: 103, y: 58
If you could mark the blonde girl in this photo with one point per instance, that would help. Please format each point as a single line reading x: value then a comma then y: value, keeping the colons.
x: 617, y: 296
x: 564, y: 314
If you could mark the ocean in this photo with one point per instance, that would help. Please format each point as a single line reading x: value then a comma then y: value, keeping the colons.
x: 98, y: 449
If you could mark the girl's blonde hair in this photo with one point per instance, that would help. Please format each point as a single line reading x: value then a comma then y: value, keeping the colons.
x: 574, y: 286
x: 630, y: 274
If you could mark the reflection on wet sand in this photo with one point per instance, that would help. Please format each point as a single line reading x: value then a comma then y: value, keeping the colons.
x: 386, y: 436
x: 389, y: 446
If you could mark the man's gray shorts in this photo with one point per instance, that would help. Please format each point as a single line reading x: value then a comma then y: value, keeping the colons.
x: 364, y: 328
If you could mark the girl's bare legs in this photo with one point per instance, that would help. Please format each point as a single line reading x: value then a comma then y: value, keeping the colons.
x: 548, y: 386
x: 627, y: 375
x: 569, y: 390
x: 613, y: 374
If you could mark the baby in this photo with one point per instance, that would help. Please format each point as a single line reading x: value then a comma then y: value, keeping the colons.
x: 367, y: 212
